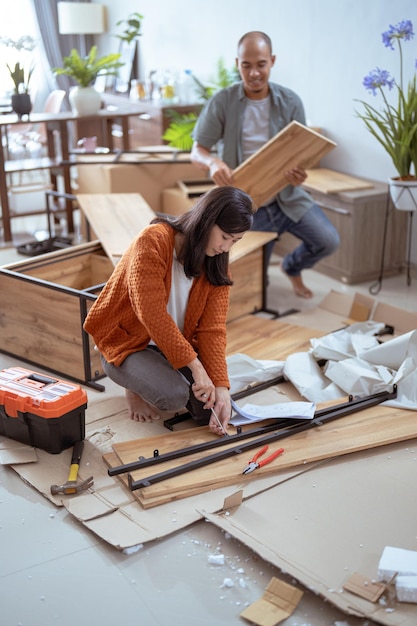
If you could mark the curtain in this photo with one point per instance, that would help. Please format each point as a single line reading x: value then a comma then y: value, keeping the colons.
x: 57, y: 46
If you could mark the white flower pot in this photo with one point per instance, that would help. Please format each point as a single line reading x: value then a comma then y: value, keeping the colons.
x: 85, y: 100
x: 403, y: 194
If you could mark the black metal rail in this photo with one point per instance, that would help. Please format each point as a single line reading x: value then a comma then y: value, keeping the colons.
x: 279, y: 431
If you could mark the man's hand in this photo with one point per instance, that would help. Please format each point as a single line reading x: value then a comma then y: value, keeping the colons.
x: 296, y: 176
x: 220, y: 172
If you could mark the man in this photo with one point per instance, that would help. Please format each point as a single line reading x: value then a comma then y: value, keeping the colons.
x: 244, y: 117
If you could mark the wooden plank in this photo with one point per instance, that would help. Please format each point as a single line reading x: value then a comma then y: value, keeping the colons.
x: 366, y: 429
x: 262, y: 175
x: 328, y: 181
x: 116, y: 219
x: 268, y: 339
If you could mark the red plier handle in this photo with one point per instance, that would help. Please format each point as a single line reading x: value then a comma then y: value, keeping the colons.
x: 254, y: 463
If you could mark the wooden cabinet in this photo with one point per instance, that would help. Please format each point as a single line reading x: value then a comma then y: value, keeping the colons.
x: 359, y: 216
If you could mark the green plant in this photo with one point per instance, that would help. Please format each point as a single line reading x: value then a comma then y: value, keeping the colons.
x: 132, y: 25
x: 179, y: 132
x: 19, y: 75
x: 395, y: 127
x: 84, y: 70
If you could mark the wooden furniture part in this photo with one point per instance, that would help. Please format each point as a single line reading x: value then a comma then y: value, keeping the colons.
x: 45, y: 299
x: 262, y: 175
x: 147, y: 172
x: 44, y: 303
x: 114, y: 219
x: 366, y: 429
x: 65, y: 126
x: 359, y: 216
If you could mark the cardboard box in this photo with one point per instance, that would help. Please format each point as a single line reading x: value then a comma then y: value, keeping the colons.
x: 177, y: 200
x: 339, y: 309
x: 147, y: 176
x: 41, y: 411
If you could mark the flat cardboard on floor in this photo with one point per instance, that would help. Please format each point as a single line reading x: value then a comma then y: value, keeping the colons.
x: 337, y: 310
x: 278, y: 602
x: 319, y: 522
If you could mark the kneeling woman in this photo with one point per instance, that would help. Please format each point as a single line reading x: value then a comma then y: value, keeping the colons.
x: 160, y: 321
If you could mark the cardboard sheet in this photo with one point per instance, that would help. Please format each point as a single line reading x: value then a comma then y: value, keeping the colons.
x: 320, y: 521
x: 335, y: 520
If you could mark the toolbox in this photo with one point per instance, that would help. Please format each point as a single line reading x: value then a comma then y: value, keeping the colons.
x: 41, y: 411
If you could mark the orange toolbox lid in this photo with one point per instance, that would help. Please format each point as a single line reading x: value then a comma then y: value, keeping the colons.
x: 25, y: 391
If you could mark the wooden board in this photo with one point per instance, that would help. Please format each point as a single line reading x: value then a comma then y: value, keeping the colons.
x: 268, y: 339
x: 262, y: 175
x: 366, y: 429
x: 328, y: 181
x: 116, y: 219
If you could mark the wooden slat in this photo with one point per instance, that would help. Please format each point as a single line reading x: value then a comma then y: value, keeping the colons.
x: 369, y: 428
x: 262, y: 175
x: 116, y: 219
x: 328, y: 181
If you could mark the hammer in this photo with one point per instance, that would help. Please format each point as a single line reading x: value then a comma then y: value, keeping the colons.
x: 71, y: 486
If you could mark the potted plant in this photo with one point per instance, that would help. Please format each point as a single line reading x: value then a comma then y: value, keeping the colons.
x: 132, y: 26
x: 21, y: 101
x: 179, y: 132
x: 395, y: 125
x: 84, y: 98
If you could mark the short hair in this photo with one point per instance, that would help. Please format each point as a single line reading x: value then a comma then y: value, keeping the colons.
x: 255, y: 34
x: 229, y: 208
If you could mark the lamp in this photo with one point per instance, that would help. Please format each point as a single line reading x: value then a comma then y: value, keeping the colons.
x: 81, y: 18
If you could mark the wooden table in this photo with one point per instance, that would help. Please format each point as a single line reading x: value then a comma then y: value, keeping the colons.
x: 63, y: 124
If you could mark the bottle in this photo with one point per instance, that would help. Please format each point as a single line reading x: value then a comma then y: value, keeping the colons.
x: 186, y: 88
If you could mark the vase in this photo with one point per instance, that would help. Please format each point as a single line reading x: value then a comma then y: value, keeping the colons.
x: 403, y: 194
x: 21, y: 104
x: 85, y: 100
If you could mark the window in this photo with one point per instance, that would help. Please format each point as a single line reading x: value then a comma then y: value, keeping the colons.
x: 14, y: 25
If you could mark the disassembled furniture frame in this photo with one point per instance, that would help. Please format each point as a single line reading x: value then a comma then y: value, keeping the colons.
x: 286, y: 428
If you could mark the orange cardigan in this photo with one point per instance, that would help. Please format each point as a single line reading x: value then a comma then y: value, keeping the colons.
x: 132, y: 309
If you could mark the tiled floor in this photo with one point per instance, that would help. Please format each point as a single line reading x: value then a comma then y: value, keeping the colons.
x: 54, y: 571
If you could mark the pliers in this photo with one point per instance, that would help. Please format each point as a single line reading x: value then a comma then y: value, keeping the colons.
x: 254, y: 464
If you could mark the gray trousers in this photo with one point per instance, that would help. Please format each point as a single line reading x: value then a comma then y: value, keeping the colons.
x: 149, y: 374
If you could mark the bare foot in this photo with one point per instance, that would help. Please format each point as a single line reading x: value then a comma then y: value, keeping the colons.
x: 299, y: 287
x: 139, y: 410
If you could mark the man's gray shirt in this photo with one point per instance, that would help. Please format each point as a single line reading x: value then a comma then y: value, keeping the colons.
x: 220, y: 122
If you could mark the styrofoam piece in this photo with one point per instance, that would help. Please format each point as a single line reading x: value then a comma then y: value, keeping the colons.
x: 397, y: 560
x: 406, y: 588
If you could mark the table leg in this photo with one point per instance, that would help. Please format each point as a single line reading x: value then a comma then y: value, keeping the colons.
x: 4, y: 198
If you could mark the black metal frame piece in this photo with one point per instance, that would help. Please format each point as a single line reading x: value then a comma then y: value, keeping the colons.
x: 280, y: 430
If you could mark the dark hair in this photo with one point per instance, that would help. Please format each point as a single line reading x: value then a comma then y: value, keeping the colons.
x: 255, y: 34
x: 229, y: 208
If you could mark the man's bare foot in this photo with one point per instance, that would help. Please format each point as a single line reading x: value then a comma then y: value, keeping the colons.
x: 139, y: 410
x: 299, y: 287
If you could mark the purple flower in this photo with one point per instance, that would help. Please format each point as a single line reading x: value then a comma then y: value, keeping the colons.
x: 376, y: 79
x: 403, y: 30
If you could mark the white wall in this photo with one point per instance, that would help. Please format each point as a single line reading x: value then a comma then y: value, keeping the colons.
x: 324, y: 48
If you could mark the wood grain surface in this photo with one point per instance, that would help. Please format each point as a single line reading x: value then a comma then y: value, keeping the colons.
x: 365, y: 429
x: 262, y: 175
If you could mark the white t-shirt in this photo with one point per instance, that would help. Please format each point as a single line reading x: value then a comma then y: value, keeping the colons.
x: 178, y: 297
x: 255, y: 131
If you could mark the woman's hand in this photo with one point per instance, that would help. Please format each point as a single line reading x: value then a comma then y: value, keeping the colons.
x: 222, y: 409
x: 202, y: 387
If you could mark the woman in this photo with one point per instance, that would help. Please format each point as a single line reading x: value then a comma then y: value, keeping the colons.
x: 160, y: 321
